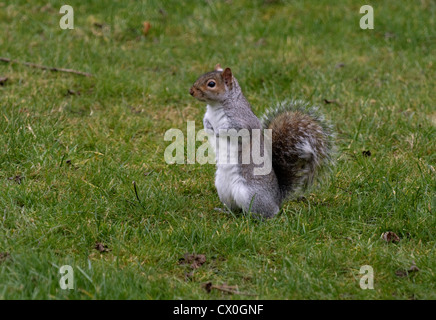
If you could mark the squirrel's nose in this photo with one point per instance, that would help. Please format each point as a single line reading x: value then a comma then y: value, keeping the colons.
x: 191, y: 91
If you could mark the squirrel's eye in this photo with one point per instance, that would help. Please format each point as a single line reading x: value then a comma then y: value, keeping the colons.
x: 211, y: 84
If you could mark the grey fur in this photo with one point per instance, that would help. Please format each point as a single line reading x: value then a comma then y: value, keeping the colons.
x: 321, y: 160
x: 297, y: 160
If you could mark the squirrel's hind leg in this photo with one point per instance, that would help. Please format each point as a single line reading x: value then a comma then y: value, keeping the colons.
x: 262, y: 206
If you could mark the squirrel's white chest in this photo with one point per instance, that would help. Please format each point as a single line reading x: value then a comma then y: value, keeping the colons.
x: 217, y: 118
x: 231, y: 186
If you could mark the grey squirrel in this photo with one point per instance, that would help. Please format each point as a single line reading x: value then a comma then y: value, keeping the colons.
x: 302, y: 145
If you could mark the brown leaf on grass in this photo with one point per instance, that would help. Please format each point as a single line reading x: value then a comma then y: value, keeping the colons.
x: 101, y: 247
x: 145, y: 27
x: 390, y: 237
x: 4, y: 256
x: 196, y: 260
x: 366, y: 153
x: 3, y: 80
x: 404, y: 273
x: 16, y: 179
x: 199, y: 260
x: 207, y: 286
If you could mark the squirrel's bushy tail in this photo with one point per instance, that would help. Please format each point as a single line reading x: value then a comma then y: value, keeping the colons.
x: 302, y: 145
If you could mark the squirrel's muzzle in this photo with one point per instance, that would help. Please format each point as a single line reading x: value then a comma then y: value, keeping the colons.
x: 191, y: 92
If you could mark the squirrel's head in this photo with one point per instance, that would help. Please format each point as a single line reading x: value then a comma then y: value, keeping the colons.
x: 214, y: 86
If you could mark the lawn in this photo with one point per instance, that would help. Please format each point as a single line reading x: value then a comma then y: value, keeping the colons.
x: 71, y: 147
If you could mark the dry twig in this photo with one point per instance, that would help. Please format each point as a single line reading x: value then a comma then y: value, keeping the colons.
x: 38, y: 66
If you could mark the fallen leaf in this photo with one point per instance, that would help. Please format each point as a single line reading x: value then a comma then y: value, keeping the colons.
x: 145, y: 27
x: 390, y: 237
x: 196, y: 260
x: 207, y: 286
x: 101, y: 247
x: 16, y: 179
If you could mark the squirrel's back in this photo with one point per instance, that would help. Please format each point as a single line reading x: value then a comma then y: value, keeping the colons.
x: 302, y: 145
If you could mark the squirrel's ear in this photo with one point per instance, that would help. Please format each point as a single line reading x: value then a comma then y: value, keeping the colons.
x: 227, y: 76
x: 218, y: 67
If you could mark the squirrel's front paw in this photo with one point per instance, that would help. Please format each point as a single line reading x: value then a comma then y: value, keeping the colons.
x: 207, y: 125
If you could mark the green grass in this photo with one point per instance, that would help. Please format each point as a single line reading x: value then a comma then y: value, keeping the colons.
x: 77, y: 155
